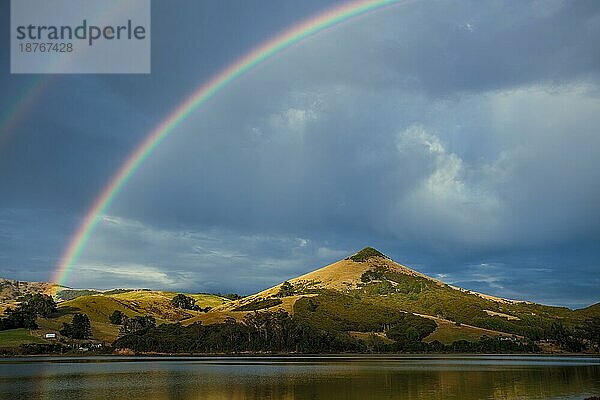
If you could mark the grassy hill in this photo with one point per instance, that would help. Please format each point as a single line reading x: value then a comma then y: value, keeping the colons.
x: 11, y: 290
x: 365, y: 297
x: 100, y: 305
x: 367, y: 292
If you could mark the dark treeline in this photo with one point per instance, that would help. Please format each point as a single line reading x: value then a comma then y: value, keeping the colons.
x: 280, y: 333
x: 55, y: 348
x: 260, y: 332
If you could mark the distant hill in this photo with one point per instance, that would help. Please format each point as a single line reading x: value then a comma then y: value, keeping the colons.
x: 590, y: 311
x: 11, y: 290
x: 99, y: 305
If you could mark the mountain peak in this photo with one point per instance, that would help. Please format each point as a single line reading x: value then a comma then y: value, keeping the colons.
x: 346, y: 274
x: 365, y: 254
x: 368, y: 266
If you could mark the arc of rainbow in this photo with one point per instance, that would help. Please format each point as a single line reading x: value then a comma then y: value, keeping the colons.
x: 289, y: 37
x: 12, y: 116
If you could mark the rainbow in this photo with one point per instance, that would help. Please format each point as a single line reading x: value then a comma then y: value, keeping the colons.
x: 13, y: 115
x: 268, y: 49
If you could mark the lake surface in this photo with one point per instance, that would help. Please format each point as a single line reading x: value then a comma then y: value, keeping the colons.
x: 302, y: 377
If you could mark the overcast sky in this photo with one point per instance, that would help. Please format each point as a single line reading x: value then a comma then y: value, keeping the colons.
x: 459, y: 138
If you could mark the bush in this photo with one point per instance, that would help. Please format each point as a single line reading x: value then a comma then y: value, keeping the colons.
x: 286, y: 289
x: 116, y: 318
x: 137, y: 324
x: 365, y: 254
x: 376, y: 274
x: 185, y: 302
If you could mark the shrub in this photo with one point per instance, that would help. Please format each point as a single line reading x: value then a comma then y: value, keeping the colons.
x: 286, y: 289
x: 185, y: 302
x: 376, y: 274
x: 137, y: 324
x: 365, y: 254
x: 116, y: 318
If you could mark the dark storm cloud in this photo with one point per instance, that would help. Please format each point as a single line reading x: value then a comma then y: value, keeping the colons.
x: 470, y: 47
x: 442, y: 48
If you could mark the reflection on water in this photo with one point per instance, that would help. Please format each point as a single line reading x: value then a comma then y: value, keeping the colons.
x: 335, y: 377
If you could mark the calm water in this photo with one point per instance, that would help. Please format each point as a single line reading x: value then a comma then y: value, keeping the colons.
x: 332, y: 377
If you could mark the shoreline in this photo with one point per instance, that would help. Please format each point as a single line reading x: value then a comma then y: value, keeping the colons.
x: 293, y: 356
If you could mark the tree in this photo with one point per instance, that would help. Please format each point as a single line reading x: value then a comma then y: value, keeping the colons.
x: 38, y: 303
x: 413, y: 334
x: 376, y: 274
x: 185, y: 302
x: 137, y: 324
x: 66, y: 329
x: 592, y: 330
x: 564, y: 337
x: 26, y: 312
x: 116, y: 318
x: 286, y: 289
x: 79, y: 328
x: 19, y: 318
x: 259, y: 332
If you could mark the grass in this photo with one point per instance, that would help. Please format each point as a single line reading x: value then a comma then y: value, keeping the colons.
x: 202, y: 299
x: 99, y: 307
x: 369, y: 336
x: 146, y: 297
x: 333, y: 311
x: 16, y: 337
x: 420, y: 295
x: 70, y: 294
x: 158, y: 303
x: 448, y: 332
